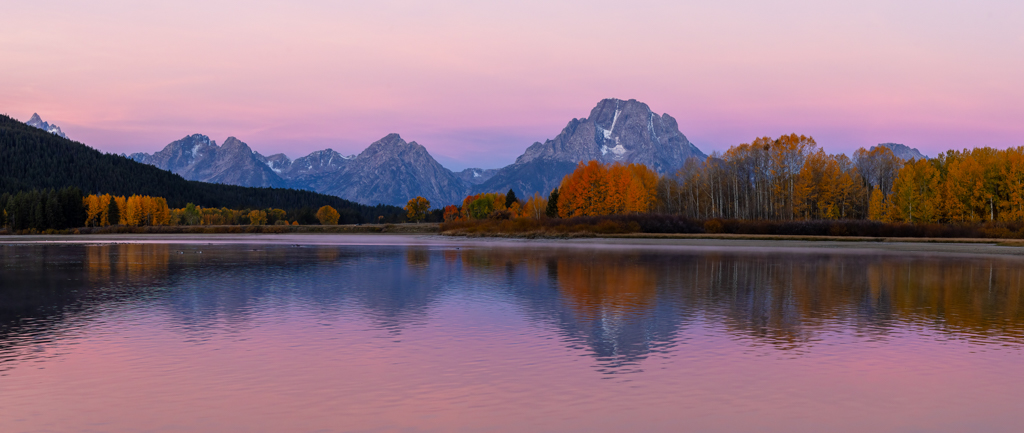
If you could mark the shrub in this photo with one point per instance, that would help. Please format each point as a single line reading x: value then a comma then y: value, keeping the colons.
x: 714, y: 226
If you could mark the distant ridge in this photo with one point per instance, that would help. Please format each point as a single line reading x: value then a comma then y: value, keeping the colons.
x: 903, y: 152
x: 31, y: 158
x: 392, y: 171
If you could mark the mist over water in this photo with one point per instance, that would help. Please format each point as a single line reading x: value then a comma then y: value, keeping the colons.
x: 438, y: 338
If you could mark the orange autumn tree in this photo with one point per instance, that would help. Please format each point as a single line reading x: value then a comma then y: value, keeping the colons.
x: 605, y: 189
x: 451, y: 213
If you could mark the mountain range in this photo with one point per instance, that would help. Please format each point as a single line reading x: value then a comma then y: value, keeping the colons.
x: 392, y: 170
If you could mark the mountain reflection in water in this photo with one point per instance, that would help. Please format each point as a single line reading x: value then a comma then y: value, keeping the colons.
x: 619, y: 307
x: 509, y: 337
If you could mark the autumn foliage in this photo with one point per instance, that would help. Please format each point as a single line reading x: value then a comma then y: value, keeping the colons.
x: 595, y: 189
x: 104, y: 210
x: 969, y: 186
x: 416, y: 209
x: 786, y: 185
x: 789, y: 178
x: 136, y: 210
x: 327, y: 215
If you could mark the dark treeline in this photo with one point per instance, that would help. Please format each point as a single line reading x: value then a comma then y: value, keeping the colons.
x: 42, y: 209
x: 31, y: 158
x: 53, y: 210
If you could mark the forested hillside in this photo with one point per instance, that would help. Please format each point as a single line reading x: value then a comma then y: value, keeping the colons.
x: 31, y: 158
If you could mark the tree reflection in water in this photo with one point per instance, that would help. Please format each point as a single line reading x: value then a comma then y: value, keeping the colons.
x: 619, y: 306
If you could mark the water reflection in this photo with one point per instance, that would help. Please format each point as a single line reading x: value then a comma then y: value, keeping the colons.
x: 616, y: 306
x: 619, y: 307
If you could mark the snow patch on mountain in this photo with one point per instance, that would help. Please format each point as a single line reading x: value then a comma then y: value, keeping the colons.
x: 38, y: 122
x: 608, y: 132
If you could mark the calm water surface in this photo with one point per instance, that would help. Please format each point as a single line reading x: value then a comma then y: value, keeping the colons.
x: 151, y: 337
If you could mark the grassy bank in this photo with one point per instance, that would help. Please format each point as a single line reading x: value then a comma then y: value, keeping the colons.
x: 422, y: 228
x: 649, y: 225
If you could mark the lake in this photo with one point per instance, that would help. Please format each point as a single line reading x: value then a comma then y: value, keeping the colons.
x: 526, y: 336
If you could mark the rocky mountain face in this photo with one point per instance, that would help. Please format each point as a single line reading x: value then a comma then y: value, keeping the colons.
x: 196, y: 157
x: 615, y: 131
x: 179, y: 155
x: 476, y: 176
x: 277, y: 162
x: 903, y: 151
x: 321, y: 162
x: 38, y: 122
x: 391, y: 171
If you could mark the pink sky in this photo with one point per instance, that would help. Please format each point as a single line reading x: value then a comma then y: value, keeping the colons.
x: 478, y: 82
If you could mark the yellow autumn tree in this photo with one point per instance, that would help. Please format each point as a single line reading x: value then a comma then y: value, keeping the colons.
x: 98, y: 208
x: 93, y: 210
x: 841, y: 190
x: 328, y: 216
x: 161, y: 214
x: 535, y: 207
x: 964, y: 188
x: 915, y: 192
x: 275, y: 215
x: 132, y: 211
x: 416, y: 209
x: 876, y: 205
x: 257, y: 217
x: 1012, y: 168
x: 122, y: 206
x: 809, y: 185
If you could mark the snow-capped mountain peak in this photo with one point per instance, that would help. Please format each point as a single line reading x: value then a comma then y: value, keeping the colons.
x: 38, y: 122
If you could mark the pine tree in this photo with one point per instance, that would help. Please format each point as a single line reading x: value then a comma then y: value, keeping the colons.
x: 113, y: 213
x: 510, y: 198
x: 552, y: 209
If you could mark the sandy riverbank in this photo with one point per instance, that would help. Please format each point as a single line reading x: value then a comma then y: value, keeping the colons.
x: 642, y: 242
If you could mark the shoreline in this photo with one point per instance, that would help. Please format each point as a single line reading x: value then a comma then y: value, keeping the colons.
x: 647, y: 242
